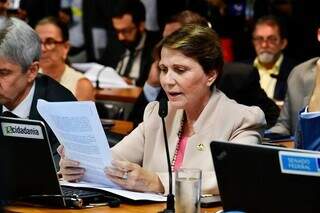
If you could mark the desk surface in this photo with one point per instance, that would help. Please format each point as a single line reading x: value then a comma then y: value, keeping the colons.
x: 119, y: 94
x: 288, y: 144
x: 124, y: 208
x: 122, y: 127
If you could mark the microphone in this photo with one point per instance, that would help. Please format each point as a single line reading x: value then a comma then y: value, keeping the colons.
x: 98, y: 75
x: 163, y: 111
x: 274, y: 76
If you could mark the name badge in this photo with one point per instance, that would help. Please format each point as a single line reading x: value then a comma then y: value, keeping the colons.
x: 21, y: 130
x: 299, y: 163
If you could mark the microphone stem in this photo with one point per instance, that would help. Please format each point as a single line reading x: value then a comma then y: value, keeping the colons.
x: 98, y: 75
x: 170, y: 198
x: 168, y: 156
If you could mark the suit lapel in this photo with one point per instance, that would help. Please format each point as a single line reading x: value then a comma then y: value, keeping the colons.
x: 39, y: 92
x: 309, y: 83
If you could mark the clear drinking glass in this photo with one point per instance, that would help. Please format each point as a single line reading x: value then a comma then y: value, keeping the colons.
x: 187, y: 190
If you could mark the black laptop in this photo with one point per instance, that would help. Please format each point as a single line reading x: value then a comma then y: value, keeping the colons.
x: 261, y: 179
x: 28, y: 171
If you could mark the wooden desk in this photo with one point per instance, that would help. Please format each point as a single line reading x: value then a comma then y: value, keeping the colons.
x: 124, y: 208
x: 119, y: 94
x: 288, y: 144
x: 122, y: 127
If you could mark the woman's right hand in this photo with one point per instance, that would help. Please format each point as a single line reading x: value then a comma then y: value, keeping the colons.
x: 70, y: 169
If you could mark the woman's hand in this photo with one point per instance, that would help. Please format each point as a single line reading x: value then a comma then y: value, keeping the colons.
x: 69, y: 169
x: 133, y: 177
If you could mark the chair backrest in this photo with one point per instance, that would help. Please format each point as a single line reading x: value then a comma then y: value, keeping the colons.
x: 110, y: 111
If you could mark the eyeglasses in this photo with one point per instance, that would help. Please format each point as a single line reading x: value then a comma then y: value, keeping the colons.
x: 126, y: 31
x: 50, y: 43
x: 270, y: 40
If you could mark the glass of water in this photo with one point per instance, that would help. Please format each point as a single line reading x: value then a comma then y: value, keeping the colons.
x: 188, y: 190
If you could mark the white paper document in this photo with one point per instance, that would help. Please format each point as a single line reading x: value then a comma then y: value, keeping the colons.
x: 107, y: 76
x: 78, y: 127
x: 124, y: 193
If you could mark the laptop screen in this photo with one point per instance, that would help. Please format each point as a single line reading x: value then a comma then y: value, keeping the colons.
x: 266, y: 179
x: 26, y: 160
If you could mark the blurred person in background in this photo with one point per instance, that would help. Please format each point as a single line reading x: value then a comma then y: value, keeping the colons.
x: 274, y: 66
x: 133, y: 58
x: 55, y: 47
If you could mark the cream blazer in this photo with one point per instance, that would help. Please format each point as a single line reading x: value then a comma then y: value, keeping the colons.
x: 222, y: 119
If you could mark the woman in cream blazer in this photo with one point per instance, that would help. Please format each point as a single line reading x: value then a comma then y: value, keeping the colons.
x: 222, y: 119
x: 190, y: 62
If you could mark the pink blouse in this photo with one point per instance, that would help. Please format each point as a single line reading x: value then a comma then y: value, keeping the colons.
x: 180, y: 153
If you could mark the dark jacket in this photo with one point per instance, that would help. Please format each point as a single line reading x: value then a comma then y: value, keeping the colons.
x: 115, y: 51
x: 239, y: 82
x: 50, y: 90
x: 285, y: 69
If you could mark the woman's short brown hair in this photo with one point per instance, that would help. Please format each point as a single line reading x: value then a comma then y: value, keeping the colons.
x: 198, y: 42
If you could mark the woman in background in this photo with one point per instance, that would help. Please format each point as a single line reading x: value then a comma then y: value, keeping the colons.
x: 54, y: 52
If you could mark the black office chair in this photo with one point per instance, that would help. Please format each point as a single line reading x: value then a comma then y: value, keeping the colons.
x: 110, y: 111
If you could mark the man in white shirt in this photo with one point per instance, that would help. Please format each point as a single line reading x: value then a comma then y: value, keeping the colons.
x: 134, y: 58
x: 20, y: 84
x: 269, y: 41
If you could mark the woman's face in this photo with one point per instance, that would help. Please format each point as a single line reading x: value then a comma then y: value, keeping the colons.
x: 183, y: 79
x: 53, y: 49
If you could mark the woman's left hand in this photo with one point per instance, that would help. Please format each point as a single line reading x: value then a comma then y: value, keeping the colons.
x: 131, y: 176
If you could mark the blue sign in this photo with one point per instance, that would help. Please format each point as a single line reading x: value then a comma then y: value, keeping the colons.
x: 299, y: 163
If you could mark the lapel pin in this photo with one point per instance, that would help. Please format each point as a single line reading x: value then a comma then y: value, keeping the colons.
x: 200, y: 147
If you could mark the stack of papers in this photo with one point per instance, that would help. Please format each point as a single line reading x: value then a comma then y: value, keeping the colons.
x: 107, y: 76
x: 78, y: 127
x: 137, y: 196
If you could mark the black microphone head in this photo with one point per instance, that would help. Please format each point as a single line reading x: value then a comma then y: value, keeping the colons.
x: 163, y: 108
x: 274, y: 76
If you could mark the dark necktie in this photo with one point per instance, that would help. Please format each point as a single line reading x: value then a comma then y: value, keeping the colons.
x: 9, y: 114
x: 129, y: 64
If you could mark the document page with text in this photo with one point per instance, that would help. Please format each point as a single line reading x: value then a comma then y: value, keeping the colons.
x: 78, y: 127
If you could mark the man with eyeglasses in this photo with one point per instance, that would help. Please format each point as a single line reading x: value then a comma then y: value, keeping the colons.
x: 20, y: 84
x: 269, y: 41
x: 133, y: 58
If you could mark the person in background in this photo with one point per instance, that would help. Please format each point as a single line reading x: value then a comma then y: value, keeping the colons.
x: 89, y: 27
x: 134, y: 58
x: 190, y: 63
x: 55, y: 47
x: 308, y: 130
x: 238, y: 81
x: 269, y: 41
x: 20, y: 84
x: 301, y: 83
x: 4, y: 6
x: 32, y: 11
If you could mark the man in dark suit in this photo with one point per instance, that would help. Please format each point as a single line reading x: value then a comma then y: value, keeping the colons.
x: 269, y: 40
x: 134, y: 57
x: 20, y: 84
x: 241, y: 83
